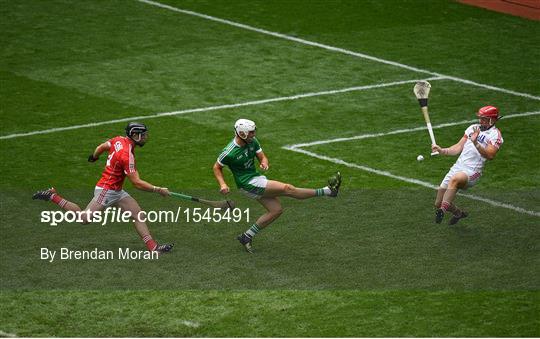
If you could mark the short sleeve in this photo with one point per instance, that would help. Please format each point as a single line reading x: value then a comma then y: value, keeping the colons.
x: 496, y: 139
x: 223, y: 158
x: 469, y: 130
x: 258, y: 147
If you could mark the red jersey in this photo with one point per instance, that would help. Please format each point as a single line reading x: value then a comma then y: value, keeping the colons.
x: 121, y: 161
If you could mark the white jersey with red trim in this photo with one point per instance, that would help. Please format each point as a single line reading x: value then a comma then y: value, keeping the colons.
x: 470, y: 157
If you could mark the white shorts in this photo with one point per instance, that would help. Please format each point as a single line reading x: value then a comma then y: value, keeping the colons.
x: 255, y: 187
x: 471, y: 174
x: 106, y: 197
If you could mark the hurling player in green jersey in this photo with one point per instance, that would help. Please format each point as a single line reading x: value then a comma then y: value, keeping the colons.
x: 239, y: 155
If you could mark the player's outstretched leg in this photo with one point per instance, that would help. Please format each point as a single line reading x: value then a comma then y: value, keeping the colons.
x: 51, y: 195
x: 274, y: 210
x: 276, y: 188
x: 131, y: 205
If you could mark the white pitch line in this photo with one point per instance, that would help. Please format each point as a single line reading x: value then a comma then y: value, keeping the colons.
x: 333, y: 49
x: 213, y: 108
x: 190, y: 323
x: 7, y: 335
x: 504, y: 90
x: 399, y: 131
x: 410, y: 180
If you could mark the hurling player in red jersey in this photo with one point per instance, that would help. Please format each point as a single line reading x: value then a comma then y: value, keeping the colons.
x: 108, y: 191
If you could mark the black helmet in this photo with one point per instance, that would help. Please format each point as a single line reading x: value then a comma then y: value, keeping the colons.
x: 135, y: 127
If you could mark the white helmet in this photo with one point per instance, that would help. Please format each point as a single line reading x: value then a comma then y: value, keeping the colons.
x: 243, y: 126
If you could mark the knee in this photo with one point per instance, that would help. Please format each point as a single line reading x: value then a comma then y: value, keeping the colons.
x: 437, y: 204
x: 289, y: 189
x: 454, y: 182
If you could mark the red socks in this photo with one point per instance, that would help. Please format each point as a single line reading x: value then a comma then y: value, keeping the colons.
x: 57, y: 199
x: 447, y: 206
x: 151, y: 244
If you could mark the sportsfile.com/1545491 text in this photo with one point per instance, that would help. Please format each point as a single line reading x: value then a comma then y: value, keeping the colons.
x: 116, y: 215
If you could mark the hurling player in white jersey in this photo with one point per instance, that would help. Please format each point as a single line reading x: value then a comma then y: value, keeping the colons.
x: 481, y: 142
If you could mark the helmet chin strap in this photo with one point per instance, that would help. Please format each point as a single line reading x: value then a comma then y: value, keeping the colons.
x: 243, y: 139
x: 138, y: 142
x: 484, y: 128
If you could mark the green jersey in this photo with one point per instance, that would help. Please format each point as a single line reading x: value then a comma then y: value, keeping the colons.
x: 241, y: 161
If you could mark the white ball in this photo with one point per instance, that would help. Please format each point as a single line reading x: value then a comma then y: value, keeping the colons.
x: 420, y: 157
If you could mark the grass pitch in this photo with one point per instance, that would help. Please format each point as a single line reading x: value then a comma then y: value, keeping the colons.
x: 369, y: 263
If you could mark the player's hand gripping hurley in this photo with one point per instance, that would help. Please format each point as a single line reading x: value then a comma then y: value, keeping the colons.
x: 421, y: 91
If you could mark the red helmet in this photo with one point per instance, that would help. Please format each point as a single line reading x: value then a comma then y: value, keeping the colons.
x: 491, y: 112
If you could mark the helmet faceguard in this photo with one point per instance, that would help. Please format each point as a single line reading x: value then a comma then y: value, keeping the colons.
x: 137, y: 132
x: 242, y: 127
x: 491, y: 114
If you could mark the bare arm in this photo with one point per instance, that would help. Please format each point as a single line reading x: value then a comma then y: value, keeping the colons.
x: 145, y: 186
x: 452, y: 150
x: 218, y: 173
x: 263, y: 160
x: 487, y: 152
x: 99, y: 150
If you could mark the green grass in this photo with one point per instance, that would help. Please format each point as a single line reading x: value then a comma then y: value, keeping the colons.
x: 256, y: 313
x: 369, y: 263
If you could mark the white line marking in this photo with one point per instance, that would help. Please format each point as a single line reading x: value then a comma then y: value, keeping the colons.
x: 364, y: 168
x: 7, y: 335
x: 333, y: 49
x: 190, y: 323
x: 213, y: 108
x: 399, y: 131
x: 469, y: 82
x: 409, y: 180
x: 500, y: 204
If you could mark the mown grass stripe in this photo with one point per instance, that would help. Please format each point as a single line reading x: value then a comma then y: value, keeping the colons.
x: 211, y: 108
x: 335, y: 49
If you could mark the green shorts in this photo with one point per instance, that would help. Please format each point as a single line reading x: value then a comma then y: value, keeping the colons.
x: 254, y: 189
